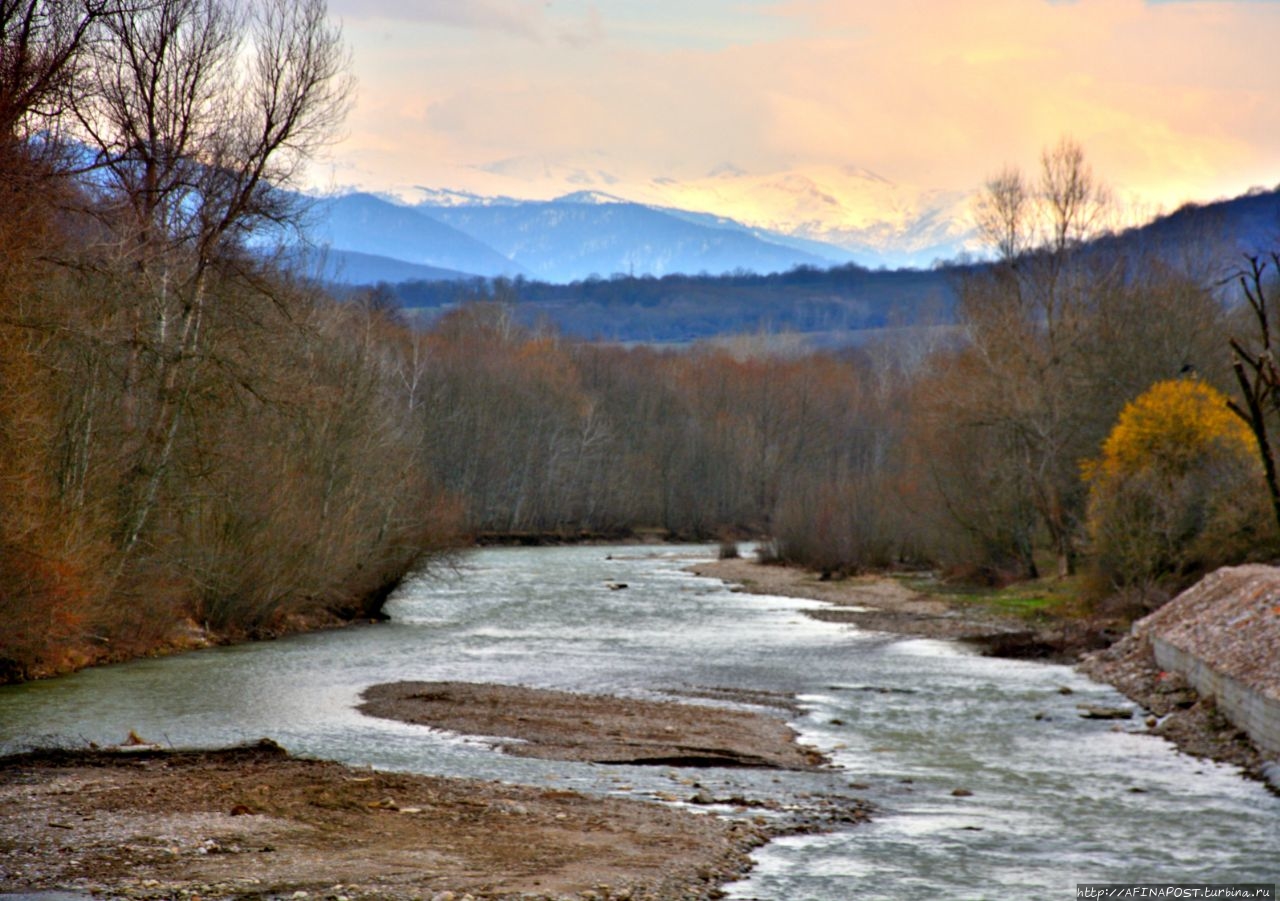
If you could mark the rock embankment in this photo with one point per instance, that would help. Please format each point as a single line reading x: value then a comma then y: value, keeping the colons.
x: 1228, y: 622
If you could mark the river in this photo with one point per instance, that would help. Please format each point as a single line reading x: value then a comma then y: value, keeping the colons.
x: 1055, y: 799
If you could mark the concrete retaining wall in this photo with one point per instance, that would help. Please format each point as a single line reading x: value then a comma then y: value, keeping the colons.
x: 1251, y: 710
x: 1223, y: 636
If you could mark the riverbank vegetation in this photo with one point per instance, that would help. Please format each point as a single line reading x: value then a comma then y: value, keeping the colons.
x: 196, y: 444
x: 192, y: 444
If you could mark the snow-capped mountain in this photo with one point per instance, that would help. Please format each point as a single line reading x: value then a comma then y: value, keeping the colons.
x: 592, y: 233
x: 361, y: 238
x: 875, y: 220
x: 880, y: 222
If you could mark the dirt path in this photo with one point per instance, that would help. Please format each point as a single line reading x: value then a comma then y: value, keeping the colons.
x: 255, y: 822
x: 560, y: 725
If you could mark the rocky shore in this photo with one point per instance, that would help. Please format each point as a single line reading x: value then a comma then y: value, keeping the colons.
x: 255, y: 822
x: 1175, y: 710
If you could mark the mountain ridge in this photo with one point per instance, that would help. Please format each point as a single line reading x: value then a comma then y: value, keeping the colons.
x: 593, y: 232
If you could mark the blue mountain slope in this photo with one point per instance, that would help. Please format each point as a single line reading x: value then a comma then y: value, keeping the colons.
x: 350, y: 267
x: 579, y: 235
x: 369, y: 225
x: 829, y: 253
x: 1249, y: 224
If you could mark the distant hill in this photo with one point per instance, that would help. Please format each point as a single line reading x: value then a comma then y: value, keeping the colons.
x: 1226, y: 229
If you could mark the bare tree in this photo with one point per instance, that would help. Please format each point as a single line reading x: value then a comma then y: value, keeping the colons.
x: 1026, y: 321
x: 1075, y: 201
x: 41, y: 45
x: 1003, y: 214
x: 1257, y: 373
x: 201, y: 111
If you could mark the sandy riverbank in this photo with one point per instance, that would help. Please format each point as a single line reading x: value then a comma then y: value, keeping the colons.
x: 560, y: 725
x: 884, y: 604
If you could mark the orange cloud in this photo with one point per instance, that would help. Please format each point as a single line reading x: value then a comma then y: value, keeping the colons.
x: 1167, y: 98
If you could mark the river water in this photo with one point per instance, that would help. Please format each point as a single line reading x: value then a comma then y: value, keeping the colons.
x: 1055, y: 800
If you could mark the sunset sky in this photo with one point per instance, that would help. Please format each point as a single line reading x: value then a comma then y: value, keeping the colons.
x: 1171, y: 100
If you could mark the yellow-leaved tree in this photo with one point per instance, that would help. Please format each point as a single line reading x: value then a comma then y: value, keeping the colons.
x: 1177, y: 489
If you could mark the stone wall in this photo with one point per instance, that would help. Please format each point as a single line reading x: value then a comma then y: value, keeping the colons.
x: 1223, y: 636
x: 1254, y: 712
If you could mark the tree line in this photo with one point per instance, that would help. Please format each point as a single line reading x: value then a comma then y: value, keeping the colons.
x: 830, y: 305
x: 191, y: 442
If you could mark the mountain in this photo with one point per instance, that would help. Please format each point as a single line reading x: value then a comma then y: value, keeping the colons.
x: 828, y: 252
x: 877, y: 221
x: 593, y: 233
x: 369, y: 225
x: 825, y: 218
x: 351, y: 267
x: 870, y: 218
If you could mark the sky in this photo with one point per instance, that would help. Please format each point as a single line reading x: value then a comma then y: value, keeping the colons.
x: 1172, y: 100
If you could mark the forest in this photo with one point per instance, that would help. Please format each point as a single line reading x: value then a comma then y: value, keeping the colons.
x: 196, y: 444
x: 833, y: 307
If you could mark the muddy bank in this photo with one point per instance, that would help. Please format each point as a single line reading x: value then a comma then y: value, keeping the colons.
x: 256, y: 822
x: 560, y: 725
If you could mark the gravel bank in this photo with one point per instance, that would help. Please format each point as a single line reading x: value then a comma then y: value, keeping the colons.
x: 256, y: 822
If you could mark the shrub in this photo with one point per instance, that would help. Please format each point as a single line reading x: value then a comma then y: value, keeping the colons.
x: 1176, y: 490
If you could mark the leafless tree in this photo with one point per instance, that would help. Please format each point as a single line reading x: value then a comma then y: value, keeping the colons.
x: 1003, y: 214
x: 1025, y: 322
x: 1256, y: 370
x: 41, y: 47
x: 200, y: 111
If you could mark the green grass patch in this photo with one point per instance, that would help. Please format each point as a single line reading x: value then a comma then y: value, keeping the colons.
x: 1037, y: 599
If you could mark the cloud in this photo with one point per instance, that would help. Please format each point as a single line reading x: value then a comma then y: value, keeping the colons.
x: 523, y: 18
x: 586, y: 33
x: 1166, y: 97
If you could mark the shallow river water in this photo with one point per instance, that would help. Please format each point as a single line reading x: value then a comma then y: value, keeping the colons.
x: 1055, y: 800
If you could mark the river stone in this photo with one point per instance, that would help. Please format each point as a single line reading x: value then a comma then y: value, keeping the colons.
x: 1098, y: 712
